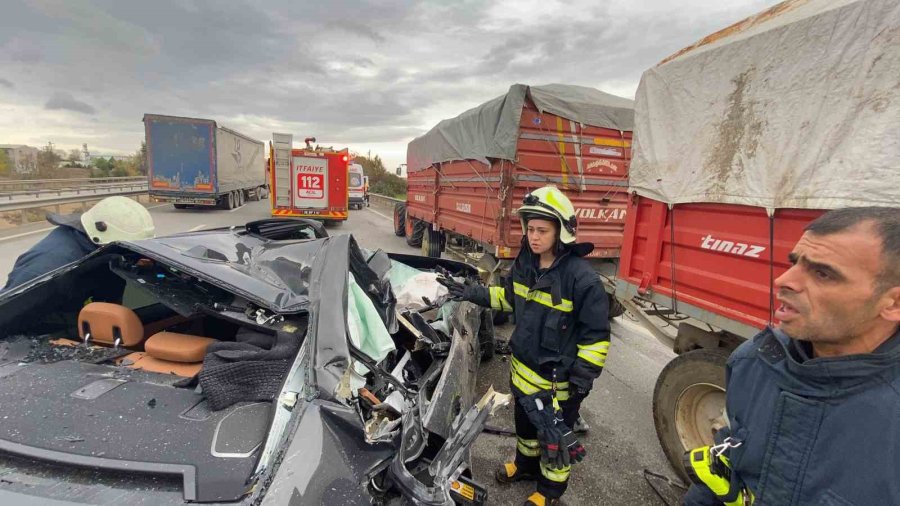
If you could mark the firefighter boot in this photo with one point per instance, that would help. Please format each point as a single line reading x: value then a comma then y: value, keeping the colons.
x: 538, y: 499
x: 508, y: 472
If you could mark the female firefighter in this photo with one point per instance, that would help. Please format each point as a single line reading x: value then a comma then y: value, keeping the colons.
x: 559, y: 345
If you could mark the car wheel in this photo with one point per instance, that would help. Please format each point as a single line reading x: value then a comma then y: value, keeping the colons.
x: 399, y: 219
x: 431, y: 242
x: 415, y: 230
x: 689, y: 403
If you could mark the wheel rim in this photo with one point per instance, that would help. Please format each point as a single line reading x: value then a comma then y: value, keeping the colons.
x: 396, y: 220
x: 408, y: 227
x: 426, y: 243
x: 699, y: 413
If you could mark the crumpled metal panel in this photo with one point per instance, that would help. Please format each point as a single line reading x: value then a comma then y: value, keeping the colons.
x: 328, y: 461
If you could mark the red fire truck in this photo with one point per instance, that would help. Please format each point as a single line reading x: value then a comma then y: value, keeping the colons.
x: 310, y: 182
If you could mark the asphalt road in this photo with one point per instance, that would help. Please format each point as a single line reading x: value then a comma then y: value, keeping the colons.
x: 621, y: 443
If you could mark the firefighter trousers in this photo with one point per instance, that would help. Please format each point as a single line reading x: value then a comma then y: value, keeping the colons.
x: 551, y: 483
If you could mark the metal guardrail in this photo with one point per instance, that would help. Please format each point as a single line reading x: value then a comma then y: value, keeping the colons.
x: 104, y: 189
x: 69, y: 199
x: 20, y: 195
x: 45, y: 184
x: 385, y: 198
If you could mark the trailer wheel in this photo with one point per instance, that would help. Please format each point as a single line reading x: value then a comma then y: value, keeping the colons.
x: 399, y: 219
x: 180, y: 206
x: 689, y: 403
x: 431, y: 242
x: 415, y: 230
x: 228, y: 200
x: 241, y: 199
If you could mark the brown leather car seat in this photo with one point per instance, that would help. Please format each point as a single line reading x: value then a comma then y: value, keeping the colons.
x: 172, y: 353
x: 165, y: 352
x: 110, y: 325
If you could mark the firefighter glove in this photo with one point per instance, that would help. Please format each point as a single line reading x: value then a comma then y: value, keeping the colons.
x: 461, y: 291
x: 573, y: 447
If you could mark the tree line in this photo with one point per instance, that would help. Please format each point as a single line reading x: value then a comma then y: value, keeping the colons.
x: 381, y: 181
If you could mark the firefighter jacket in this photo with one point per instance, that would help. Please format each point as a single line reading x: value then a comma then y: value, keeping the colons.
x: 562, y: 321
x: 817, y: 431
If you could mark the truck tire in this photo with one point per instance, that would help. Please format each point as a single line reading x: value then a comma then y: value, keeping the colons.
x: 399, y: 219
x: 616, y: 308
x: 240, y: 199
x: 689, y: 403
x: 180, y: 206
x: 431, y: 242
x: 414, y: 230
x: 228, y: 201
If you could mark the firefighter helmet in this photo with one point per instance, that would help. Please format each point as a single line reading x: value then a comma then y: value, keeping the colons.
x: 549, y: 202
x: 117, y: 219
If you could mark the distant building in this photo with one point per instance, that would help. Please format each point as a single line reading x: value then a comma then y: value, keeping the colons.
x: 23, y: 158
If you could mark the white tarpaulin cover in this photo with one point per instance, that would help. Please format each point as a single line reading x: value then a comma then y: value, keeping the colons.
x: 798, y: 106
x: 491, y: 130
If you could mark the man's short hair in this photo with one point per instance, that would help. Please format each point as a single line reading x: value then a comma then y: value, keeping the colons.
x: 886, y: 223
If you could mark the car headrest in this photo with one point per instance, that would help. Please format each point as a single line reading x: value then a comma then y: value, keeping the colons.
x: 110, y: 324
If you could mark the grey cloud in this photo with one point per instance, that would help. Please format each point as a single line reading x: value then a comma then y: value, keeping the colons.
x: 345, y: 71
x: 65, y: 101
x: 23, y: 51
x: 7, y: 83
x: 357, y: 28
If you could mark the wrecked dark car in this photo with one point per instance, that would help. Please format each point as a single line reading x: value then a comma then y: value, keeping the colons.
x: 264, y: 364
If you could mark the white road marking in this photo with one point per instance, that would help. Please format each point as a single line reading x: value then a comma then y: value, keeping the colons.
x: 235, y: 209
x: 198, y: 227
x: 379, y: 214
x: 160, y: 205
x: 23, y: 234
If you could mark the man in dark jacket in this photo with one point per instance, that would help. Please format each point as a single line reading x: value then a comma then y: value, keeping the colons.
x: 561, y: 340
x: 112, y: 219
x: 813, y: 404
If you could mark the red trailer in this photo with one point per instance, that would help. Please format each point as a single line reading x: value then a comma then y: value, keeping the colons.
x: 308, y: 183
x: 468, y: 175
x: 740, y: 141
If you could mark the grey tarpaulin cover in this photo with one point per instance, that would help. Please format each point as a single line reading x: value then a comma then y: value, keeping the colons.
x: 798, y: 106
x: 491, y: 130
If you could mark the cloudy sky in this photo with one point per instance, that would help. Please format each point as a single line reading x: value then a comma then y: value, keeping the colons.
x: 368, y: 75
